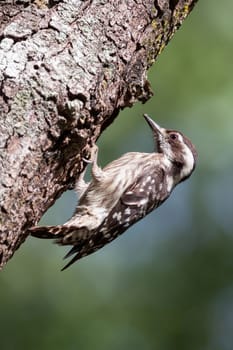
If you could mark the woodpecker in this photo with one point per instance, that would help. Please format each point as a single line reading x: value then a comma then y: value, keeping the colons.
x: 123, y: 192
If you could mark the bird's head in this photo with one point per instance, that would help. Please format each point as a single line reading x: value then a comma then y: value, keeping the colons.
x: 175, y: 146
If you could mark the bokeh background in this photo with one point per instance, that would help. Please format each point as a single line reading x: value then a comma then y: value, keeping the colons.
x: 168, y: 282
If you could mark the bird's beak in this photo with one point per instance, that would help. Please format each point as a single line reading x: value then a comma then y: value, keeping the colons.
x: 154, y: 126
x: 158, y: 133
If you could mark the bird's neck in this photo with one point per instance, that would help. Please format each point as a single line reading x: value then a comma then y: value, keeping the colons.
x: 174, y: 171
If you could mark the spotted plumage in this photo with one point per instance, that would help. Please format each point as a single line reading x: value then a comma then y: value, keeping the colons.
x: 123, y: 192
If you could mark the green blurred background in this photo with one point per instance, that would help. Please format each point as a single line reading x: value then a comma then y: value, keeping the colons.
x: 168, y: 282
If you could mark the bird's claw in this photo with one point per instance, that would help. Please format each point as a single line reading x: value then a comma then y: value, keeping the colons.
x: 93, y: 156
x: 85, y: 160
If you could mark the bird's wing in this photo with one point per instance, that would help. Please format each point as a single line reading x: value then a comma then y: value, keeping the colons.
x: 145, y: 194
x: 145, y: 189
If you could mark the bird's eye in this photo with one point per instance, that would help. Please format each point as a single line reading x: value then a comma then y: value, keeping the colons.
x: 173, y: 136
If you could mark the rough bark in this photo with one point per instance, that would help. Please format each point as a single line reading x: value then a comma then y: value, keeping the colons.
x: 66, y: 69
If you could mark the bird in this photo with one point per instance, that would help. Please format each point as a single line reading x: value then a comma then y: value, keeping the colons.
x: 123, y: 192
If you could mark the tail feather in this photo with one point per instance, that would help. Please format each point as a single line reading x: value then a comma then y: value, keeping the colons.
x: 72, y: 251
x: 48, y: 232
x: 75, y: 258
x: 80, y: 251
x: 64, y: 235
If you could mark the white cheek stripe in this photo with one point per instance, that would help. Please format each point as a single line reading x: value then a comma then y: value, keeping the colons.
x: 180, y: 138
x: 188, y: 161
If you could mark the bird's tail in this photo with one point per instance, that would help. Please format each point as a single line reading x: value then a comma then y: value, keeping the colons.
x: 67, y: 235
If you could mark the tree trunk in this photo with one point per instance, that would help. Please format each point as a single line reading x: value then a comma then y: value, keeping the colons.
x: 66, y: 69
